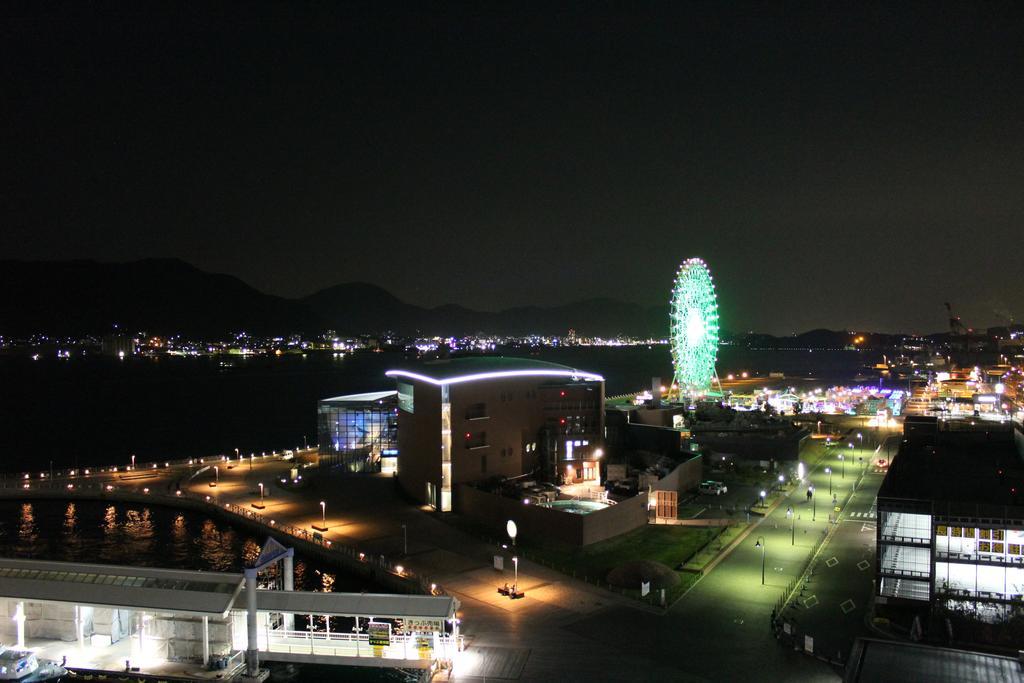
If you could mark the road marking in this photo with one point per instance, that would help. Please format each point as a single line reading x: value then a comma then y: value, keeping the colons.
x: 810, y: 602
x: 863, y: 564
x: 847, y: 607
x: 831, y: 562
x: 867, y: 527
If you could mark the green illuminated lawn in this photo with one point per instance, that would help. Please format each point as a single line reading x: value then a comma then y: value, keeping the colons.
x: 670, y: 545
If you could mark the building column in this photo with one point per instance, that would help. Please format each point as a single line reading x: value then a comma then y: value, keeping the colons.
x: 206, y: 641
x: 142, y: 628
x: 289, y: 585
x: 79, y: 627
x: 252, y: 656
x: 19, y: 619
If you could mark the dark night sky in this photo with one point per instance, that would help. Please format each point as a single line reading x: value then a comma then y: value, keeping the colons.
x: 837, y: 164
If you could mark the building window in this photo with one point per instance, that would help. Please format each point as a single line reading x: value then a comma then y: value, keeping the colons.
x: 476, y: 411
x: 476, y: 440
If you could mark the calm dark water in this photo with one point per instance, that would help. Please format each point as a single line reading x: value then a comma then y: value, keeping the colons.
x: 142, y: 536
x: 90, y: 411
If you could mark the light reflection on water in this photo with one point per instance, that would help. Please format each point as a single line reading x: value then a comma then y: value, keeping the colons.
x: 87, y: 531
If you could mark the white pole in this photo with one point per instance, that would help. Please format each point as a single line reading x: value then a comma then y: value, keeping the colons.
x: 252, y: 656
x: 19, y: 618
x: 206, y: 641
x: 289, y: 585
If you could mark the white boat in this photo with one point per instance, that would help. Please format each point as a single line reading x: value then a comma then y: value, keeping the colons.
x: 23, y: 665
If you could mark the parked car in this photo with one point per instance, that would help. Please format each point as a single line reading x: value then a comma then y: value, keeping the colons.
x: 713, y: 488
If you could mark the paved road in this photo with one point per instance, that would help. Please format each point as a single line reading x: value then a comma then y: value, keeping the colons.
x: 832, y: 606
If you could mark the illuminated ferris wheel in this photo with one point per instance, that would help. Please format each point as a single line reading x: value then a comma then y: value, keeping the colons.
x: 694, y: 328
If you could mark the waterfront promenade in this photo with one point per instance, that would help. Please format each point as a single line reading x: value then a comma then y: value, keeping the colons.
x: 563, y: 628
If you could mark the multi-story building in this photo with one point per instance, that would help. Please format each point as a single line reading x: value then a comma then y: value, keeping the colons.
x: 951, y: 516
x: 359, y: 432
x: 468, y: 419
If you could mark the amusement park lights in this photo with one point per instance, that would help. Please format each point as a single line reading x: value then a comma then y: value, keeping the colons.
x: 694, y: 328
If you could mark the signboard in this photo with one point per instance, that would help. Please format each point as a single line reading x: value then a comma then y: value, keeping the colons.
x: 809, y: 645
x: 645, y: 588
x: 424, y: 644
x: 379, y: 633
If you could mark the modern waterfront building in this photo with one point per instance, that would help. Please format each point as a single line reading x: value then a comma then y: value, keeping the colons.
x: 951, y: 516
x: 468, y: 419
x: 359, y: 432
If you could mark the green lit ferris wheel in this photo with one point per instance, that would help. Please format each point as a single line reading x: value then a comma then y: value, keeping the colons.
x: 694, y: 328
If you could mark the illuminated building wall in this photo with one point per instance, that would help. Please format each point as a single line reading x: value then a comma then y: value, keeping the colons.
x: 951, y: 517
x: 359, y: 432
x: 476, y: 418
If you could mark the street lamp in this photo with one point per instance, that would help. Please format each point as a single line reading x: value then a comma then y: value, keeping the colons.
x: 515, y: 563
x: 762, y: 497
x: 782, y: 479
x: 261, y: 505
x: 828, y: 471
x: 216, y: 476
x: 760, y: 544
x: 405, y: 540
x: 323, y: 517
x: 814, y: 505
x: 792, y: 528
x: 133, y: 462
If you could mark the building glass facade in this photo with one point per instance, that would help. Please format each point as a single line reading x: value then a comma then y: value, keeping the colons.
x: 359, y: 432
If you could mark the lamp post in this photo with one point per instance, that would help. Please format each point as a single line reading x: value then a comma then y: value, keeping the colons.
x: 792, y: 528
x: 762, y: 497
x: 216, y: 476
x: 828, y: 471
x: 814, y: 505
x: 237, y: 454
x: 261, y: 496
x: 760, y: 544
x: 782, y: 480
x: 405, y: 540
x: 515, y: 563
x: 323, y: 517
x: 133, y: 462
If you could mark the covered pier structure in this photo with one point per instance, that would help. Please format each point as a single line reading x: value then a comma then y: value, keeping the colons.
x: 110, y: 617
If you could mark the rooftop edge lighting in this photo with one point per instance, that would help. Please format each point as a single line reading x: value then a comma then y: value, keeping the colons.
x: 575, y: 374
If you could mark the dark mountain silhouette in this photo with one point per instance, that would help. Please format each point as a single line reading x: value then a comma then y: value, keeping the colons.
x: 160, y: 296
x: 358, y: 306
x: 169, y: 296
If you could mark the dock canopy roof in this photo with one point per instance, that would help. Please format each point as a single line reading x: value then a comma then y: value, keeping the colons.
x: 138, y: 588
x: 382, y: 605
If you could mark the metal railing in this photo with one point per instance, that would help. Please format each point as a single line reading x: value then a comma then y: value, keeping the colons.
x: 399, y: 647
